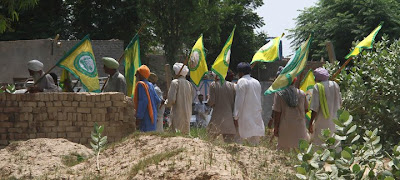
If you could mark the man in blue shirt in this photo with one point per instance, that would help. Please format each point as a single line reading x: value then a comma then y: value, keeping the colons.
x: 146, y: 101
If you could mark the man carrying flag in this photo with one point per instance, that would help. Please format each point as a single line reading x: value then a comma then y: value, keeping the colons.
x: 146, y: 101
x: 116, y: 81
x: 326, y: 100
x: 80, y: 62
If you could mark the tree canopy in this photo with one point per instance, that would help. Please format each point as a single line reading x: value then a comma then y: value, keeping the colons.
x: 344, y: 21
x: 171, y: 24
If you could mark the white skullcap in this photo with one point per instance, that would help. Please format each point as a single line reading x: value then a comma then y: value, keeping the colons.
x: 35, y: 65
x: 177, y: 67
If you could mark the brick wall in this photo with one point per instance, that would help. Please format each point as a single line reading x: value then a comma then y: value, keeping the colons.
x: 64, y: 115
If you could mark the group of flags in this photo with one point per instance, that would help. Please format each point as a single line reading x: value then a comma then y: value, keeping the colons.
x: 80, y: 62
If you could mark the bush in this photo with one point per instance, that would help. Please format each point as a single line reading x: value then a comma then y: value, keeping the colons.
x: 349, y: 159
x: 371, y: 91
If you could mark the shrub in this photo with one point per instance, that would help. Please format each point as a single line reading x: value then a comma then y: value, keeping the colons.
x: 351, y: 158
x: 371, y: 91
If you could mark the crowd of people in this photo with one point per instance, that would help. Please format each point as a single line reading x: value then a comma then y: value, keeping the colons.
x: 236, y: 107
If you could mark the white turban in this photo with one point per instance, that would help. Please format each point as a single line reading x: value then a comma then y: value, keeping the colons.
x: 177, y: 67
x: 35, y: 65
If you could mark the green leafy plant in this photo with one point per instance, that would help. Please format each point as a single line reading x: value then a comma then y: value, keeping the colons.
x: 371, y: 92
x: 10, y: 88
x: 344, y: 156
x: 98, y: 142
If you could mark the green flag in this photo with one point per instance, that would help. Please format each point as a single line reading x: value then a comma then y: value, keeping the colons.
x: 80, y: 62
x: 293, y: 68
x: 132, y: 63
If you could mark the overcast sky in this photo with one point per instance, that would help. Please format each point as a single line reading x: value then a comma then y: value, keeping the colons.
x: 278, y: 17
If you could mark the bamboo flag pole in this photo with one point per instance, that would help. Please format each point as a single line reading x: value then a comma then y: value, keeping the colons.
x: 122, y: 56
x: 341, y: 68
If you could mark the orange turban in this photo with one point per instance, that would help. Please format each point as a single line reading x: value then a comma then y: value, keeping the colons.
x: 144, y: 71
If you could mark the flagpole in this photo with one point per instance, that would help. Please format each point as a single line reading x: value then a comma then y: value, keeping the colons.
x: 341, y: 68
x: 121, y: 57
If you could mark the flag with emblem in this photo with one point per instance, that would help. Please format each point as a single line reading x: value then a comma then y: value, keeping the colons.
x: 221, y: 64
x: 80, y: 62
x: 307, y: 86
x: 132, y: 63
x: 366, y: 43
x: 197, y: 62
x: 292, y: 69
x: 269, y: 52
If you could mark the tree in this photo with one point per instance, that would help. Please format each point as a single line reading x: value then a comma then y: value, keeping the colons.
x: 9, y: 12
x: 45, y: 20
x: 344, y: 21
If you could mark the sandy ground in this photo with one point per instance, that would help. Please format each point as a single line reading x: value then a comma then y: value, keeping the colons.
x: 37, y: 157
x: 189, y: 159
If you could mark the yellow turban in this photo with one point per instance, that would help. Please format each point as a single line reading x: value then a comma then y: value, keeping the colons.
x: 144, y: 71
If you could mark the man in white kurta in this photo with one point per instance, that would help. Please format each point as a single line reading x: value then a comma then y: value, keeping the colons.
x: 180, y: 97
x: 247, y: 112
x: 333, y: 99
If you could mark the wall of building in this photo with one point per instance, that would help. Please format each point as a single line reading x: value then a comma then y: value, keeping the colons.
x: 64, y: 115
x: 16, y: 54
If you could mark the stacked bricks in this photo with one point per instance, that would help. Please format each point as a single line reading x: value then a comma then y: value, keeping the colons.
x: 64, y: 115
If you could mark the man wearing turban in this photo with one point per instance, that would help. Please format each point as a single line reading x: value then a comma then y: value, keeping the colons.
x: 116, y: 81
x: 180, y: 98
x: 44, y: 83
x: 247, y: 112
x: 146, y: 101
x: 326, y: 100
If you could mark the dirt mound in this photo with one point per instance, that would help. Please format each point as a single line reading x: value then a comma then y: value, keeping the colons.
x: 151, y: 157
x: 37, y: 157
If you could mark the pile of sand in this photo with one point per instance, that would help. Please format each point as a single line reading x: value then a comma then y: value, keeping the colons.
x: 145, y: 157
x: 37, y: 157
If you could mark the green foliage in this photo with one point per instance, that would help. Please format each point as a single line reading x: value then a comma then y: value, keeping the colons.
x: 9, y: 12
x: 10, y: 88
x: 72, y: 159
x: 98, y: 142
x: 371, y: 91
x: 344, y: 21
x: 345, y: 155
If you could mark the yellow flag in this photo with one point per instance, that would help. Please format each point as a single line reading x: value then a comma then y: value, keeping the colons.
x: 132, y: 63
x: 307, y: 86
x: 221, y: 64
x: 197, y: 63
x: 293, y: 68
x: 366, y: 43
x: 269, y: 52
x: 80, y: 62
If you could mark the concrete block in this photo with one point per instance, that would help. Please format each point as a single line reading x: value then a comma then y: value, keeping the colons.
x: 70, y: 97
x: 83, y: 110
x: 107, y: 104
x: 69, y: 109
x: 83, y: 104
x: 49, y: 123
x: 51, y: 97
x: 11, y: 109
x: 117, y: 97
x: 57, y: 103
x: 64, y: 123
x: 32, y: 136
x: 31, y: 104
x: 46, y: 97
x: 25, y: 109
x: 41, y: 104
x: 66, y: 103
x: 15, y: 130
x: 83, y: 140
x: 98, y: 98
x: 99, y: 105
x: 6, y: 124
x: 91, y: 104
x: 61, y: 116
x: 49, y: 104
x: 21, y: 125
x: 41, y: 135
x: 107, y: 97
x: 55, y: 97
x: 75, y: 104
x: 102, y: 97
x: 61, y: 135
x: 22, y: 136
x: 58, y: 128
x: 83, y: 97
x: 119, y: 103
x: 3, y: 130
x: 51, y: 135
x: 73, y: 129
x: 79, y: 117
x: 74, y: 135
